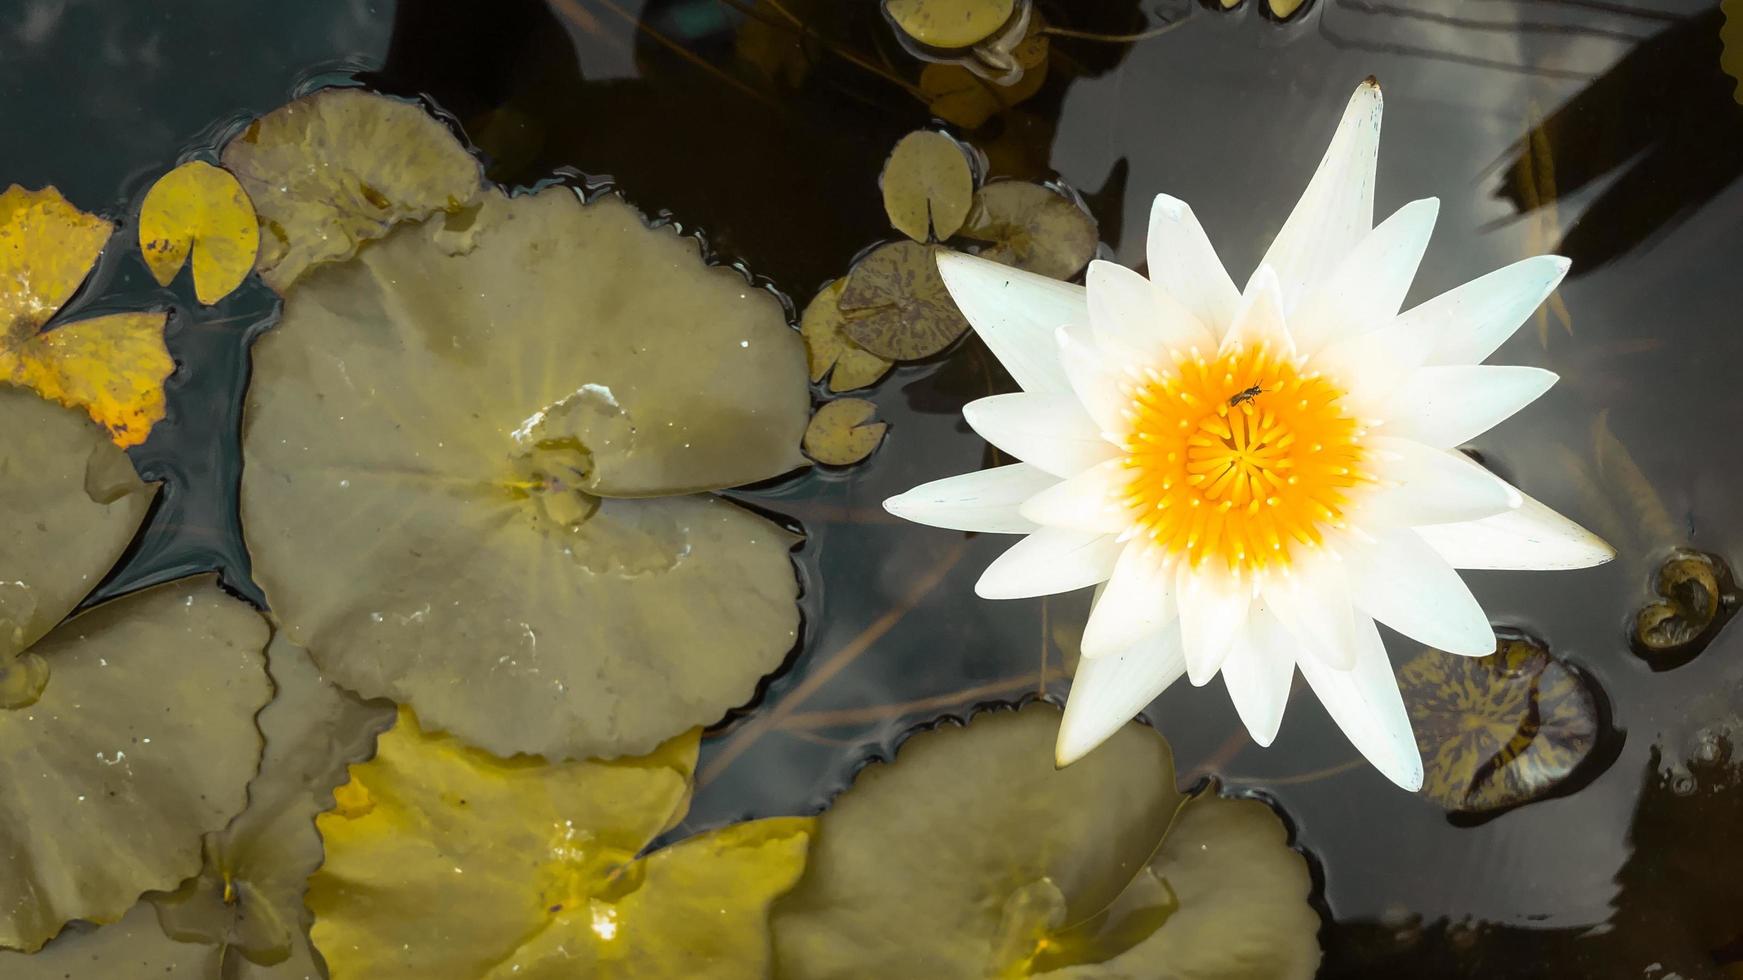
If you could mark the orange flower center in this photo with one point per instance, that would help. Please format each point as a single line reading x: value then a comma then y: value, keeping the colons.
x: 1240, y: 459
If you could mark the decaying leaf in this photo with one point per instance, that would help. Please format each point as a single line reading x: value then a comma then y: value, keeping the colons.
x: 1032, y: 228
x: 441, y: 416
x: 971, y: 856
x: 112, y: 366
x: 83, y: 502
x: 1501, y: 730
x: 200, y: 209
x: 1696, y: 596
x: 896, y: 304
x: 332, y: 170
x: 827, y: 345
x: 842, y: 433
x: 928, y: 186
x: 949, y: 23
x: 146, y: 723
x: 447, y: 862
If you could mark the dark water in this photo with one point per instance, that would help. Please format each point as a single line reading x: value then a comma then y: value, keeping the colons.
x: 1638, y: 873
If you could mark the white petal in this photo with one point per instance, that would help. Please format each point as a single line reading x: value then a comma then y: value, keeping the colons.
x: 1015, y: 313
x: 1212, y: 610
x: 1371, y: 367
x: 1259, y: 315
x: 1049, y: 431
x: 1185, y: 267
x: 1429, y: 486
x: 1313, y: 604
x: 1132, y: 315
x: 987, y: 500
x: 1088, y: 501
x: 1337, y: 208
x: 1469, y: 322
x: 1137, y: 602
x: 1258, y: 673
x: 1365, y: 703
x: 1110, y: 691
x: 1447, y: 405
x: 1097, y: 381
x: 1400, y: 581
x: 1048, y: 562
x: 1532, y: 536
x: 1366, y: 289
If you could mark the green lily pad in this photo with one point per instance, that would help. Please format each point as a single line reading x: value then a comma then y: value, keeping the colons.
x: 441, y: 418
x: 828, y: 349
x: 332, y: 170
x: 83, y: 502
x: 928, y: 186
x: 446, y: 862
x: 842, y: 432
x: 1032, y: 228
x: 142, y: 741
x: 949, y: 23
x: 1501, y: 730
x: 896, y: 304
x: 972, y: 856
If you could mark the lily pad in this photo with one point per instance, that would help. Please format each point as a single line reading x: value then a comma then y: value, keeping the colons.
x: 896, y: 304
x: 828, y: 349
x: 84, y: 503
x: 142, y: 740
x: 1696, y: 596
x: 114, y: 366
x: 199, y: 209
x: 1501, y: 730
x: 842, y: 432
x: 247, y: 901
x: 131, y: 947
x: 928, y: 186
x: 967, y: 98
x: 446, y: 862
x: 332, y: 170
x: 441, y: 417
x: 1032, y: 228
x: 949, y: 23
x: 972, y: 856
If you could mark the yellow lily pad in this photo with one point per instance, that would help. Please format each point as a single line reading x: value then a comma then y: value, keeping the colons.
x: 829, y: 351
x: 113, y: 367
x: 446, y: 862
x: 928, y: 186
x: 146, y: 725
x: 1284, y: 9
x: 963, y: 97
x: 332, y: 170
x: 949, y: 23
x: 83, y: 501
x: 441, y: 418
x: 1501, y: 730
x: 971, y: 856
x: 896, y: 304
x: 1032, y: 228
x: 842, y: 433
x: 201, y: 210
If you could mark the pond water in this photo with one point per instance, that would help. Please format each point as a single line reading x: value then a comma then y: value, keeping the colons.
x: 1604, y: 131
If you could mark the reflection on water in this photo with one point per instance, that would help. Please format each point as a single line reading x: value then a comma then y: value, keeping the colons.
x: 1601, y: 129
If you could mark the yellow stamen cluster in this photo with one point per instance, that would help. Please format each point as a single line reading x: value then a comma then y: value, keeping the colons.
x: 1238, y: 459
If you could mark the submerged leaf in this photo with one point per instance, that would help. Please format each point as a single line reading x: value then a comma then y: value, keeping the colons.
x: 1696, y: 596
x: 446, y: 862
x: 972, y: 856
x: 147, y: 725
x: 332, y: 170
x: 957, y: 95
x: 928, y: 186
x: 113, y: 367
x: 949, y: 23
x: 1501, y: 730
x: 896, y: 304
x: 827, y: 345
x: 443, y: 425
x: 83, y: 502
x: 842, y: 432
x: 201, y: 209
x: 1032, y: 228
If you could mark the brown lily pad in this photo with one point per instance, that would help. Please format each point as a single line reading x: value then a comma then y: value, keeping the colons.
x: 1032, y: 228
x: 897, y: 306
x: 1697, y: 595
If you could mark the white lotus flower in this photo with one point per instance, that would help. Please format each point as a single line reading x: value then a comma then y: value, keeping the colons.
x: 1256, y: 475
